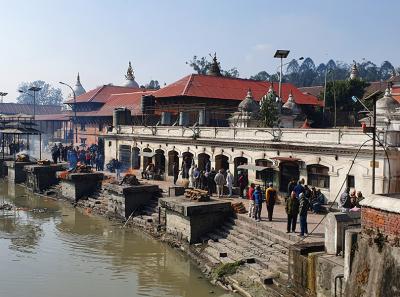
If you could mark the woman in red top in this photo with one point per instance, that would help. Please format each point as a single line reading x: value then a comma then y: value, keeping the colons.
x: 251, y: 200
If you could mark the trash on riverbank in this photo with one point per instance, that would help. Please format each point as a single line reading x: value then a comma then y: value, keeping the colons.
x: 6, y: 206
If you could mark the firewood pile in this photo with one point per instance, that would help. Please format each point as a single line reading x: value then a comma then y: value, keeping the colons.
x: 238, y: 207
x: 197, y: 195
x: 22, y: 158
x: 82, y: 168
x: 130, y: 179
x: 44, y: 162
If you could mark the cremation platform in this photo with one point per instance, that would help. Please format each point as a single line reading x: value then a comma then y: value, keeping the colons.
x: 78, y: 185
x: 123, y: 200
x: 41, y: 177
x: 16, y: 172
x: 191, y: 220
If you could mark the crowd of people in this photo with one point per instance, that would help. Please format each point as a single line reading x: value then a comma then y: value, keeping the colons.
x: 76, y: 155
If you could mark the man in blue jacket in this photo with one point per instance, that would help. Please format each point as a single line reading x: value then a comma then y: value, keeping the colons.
x: 258, y: 199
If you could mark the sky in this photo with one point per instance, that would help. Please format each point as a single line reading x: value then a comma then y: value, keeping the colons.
x: 52, y: 40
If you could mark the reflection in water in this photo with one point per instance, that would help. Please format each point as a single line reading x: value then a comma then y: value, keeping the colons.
x: 66, y: 252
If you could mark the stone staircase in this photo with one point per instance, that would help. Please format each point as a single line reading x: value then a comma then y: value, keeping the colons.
x: 263, y: 249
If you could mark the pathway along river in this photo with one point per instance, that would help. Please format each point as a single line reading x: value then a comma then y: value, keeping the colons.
x: 64, y: 252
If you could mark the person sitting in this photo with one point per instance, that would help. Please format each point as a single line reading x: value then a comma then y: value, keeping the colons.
x: 318, y: 201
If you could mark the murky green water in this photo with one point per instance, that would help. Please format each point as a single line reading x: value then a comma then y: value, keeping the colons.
x: 64, y: 252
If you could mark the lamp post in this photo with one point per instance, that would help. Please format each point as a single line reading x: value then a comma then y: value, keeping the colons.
x: 281, y: 54
x: 2, y: 94
x: 355, y: 99
x: 74, y: 121
x: 34, y: 90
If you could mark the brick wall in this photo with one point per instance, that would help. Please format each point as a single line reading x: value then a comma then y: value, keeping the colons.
x: 386, y: 222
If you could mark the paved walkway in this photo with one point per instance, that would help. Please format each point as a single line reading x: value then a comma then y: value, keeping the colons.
x: 279, y: 221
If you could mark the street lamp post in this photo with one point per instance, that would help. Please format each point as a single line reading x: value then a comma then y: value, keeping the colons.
x: 34, y: 90
x: 74, y: 121
x: 2, y: 94
x: 281, y: 54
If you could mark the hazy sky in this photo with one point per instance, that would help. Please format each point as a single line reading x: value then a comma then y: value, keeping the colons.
x: 53, y: 40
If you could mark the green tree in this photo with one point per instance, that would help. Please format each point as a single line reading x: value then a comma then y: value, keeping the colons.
x: 342, y: 91
x: 153, y: 85
x: 48, y: 95
x: 268, y: 110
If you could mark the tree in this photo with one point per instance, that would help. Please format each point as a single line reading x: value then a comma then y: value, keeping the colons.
x: 233, y: 72
x: 48, y: 95
x: 307, y: 72
x: 153, y: 85
x: 261, y: 76
x: 268, y: 110
x: 386, y: 70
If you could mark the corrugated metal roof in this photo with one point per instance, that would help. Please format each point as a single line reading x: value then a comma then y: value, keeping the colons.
x: 17, y: 108
x: 216, y: 87
x: 102, y: 94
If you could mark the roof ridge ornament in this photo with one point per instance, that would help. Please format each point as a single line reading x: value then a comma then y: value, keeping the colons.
x: 214, y: 69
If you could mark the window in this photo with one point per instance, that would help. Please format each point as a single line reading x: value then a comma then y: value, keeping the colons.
x: 318, y: 176
x: 100, y: 126
x: 351, y: 183
x: 83, y: 141
x: 83, y: 128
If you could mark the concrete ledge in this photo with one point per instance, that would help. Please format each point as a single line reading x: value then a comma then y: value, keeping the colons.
x: 41, y: 177
x: 191, y: 208
x: 383, y: 202
x: 16, y: 172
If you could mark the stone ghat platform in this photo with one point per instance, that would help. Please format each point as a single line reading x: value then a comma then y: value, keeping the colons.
x: 16, y: 172
x: 190, y: 220
x: 41, y: 177
x: 79, y: 185
x: 123, y: 200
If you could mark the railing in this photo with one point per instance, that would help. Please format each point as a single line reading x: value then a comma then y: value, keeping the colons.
x: 346, y: 136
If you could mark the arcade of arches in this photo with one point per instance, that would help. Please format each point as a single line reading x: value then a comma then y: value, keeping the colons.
x: 279, y: 173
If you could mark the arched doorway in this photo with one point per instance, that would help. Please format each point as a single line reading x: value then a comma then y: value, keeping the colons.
x: 288, y: 171
x: 187, y: 160
x: 125, y: 156
x: 172, y: 158
x: 237, y: 162
x: 135, y: 158
x: 202, y: 161
x: 266, y: 175
x: 147, y: 157
x: 221, y: 162
x: 159, y: 161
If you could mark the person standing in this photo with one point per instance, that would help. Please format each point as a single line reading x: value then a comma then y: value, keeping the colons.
x: 258, y: 199
x: 303, y: 210
x: 298, y: 189
x: 229, y: 182
x: 220, y: 181
x: 55, y: 153
x: 291, y: 186
x: 270, y: 201
x: 243, y: 183
x: 175, y: 171
x: 251, y: 200
x: 345, y: 202
x: 118, y: 166
x: 191, y: 177
x: 292, y: 210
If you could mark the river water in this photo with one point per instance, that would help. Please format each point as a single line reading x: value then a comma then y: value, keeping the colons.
x: 48, y: 248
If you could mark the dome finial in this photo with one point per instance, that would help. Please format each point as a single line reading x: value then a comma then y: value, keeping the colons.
x: 78, y: 79
x: 79, y: 89
x: 354, y: 70
x: 214, y: 67
x: 129, y: 73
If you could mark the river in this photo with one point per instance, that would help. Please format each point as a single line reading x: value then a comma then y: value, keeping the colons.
x: 48, y: 248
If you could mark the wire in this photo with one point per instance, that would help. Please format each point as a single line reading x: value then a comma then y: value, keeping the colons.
x: 337, y: 195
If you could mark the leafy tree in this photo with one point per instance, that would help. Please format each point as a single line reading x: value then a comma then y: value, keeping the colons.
x: 268, y: 110
x: 153, y: 85
x: 307, y: 72
x: 386, y: 70
x: 261, y: 76
x: 48, y: 95
x: 233, y: 72
x: 342, y: 91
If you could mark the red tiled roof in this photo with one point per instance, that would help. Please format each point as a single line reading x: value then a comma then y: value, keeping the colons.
x: 216, y: 87
x: 314, y: 90
x: 102, y: 94
x: 396, y: 93
x: 131, y: 101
